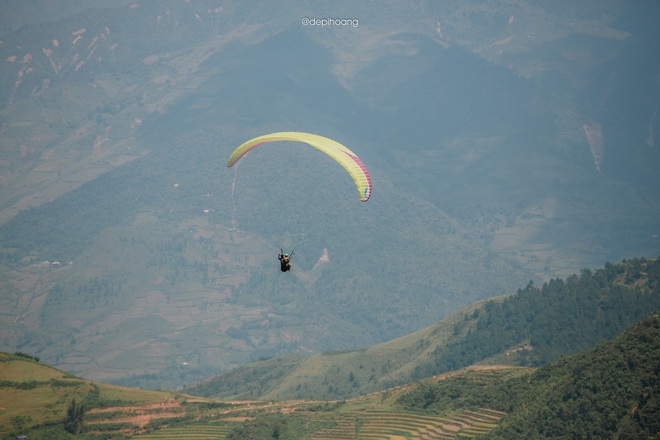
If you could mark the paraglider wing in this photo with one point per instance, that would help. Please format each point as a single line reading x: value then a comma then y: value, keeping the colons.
x: 346, y: 158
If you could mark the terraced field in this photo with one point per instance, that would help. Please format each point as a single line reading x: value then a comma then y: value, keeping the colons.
x: 212, y: 431
x: 37, y: 389
x: 362, y: 425
x: 396, y: 425
x: 373, y: 417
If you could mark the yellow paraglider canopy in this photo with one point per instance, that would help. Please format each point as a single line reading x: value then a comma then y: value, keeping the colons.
x: 345, y: 157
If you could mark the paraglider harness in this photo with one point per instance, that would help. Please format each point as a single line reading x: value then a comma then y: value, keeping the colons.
x: 285, y: 261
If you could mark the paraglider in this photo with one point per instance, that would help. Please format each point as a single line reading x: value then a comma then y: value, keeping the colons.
x: 342, y: 155
x: 285, y: 261
x: 345, y: 157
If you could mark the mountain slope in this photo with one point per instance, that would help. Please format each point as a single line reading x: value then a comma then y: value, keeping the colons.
x: 530, y: 328
x: 35, y: 398
x: 508, y: 140
x: 610, y: 391
x: 27, y: 387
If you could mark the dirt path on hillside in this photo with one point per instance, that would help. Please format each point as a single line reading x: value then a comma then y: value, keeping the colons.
x: 139, y: 415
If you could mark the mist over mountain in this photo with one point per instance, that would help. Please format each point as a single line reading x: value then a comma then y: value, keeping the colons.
x: 507, y: 142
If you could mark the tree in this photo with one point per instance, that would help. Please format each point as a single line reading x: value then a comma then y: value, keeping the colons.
x: 74, y: 417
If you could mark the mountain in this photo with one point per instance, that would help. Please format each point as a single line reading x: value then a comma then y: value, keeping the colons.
x: 508, y: 141
x: 36, y: 399
x: 533, y: 327
x: 607, y: 391
x: 43, y: 402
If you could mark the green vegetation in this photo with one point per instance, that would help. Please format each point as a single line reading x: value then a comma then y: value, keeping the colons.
x: 610, y: 391
x: 46, y: 403
x: 74, y: 417
x: 597, y: 388
x: 469, y: 391
x: 277, y: 426
x: 26, y: 356
x: 250, y: 381
x: 562, y: 317
x: 46, y: 233
x: 114, y: 145
x: 144, y: 239
x: 530, y: 328
x: 128, y: 254
x: 198, y: 431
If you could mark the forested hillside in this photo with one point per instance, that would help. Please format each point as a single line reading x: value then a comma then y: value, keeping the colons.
x: 535, y: 326
x: 610, y: 391
x: 561, y: 317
